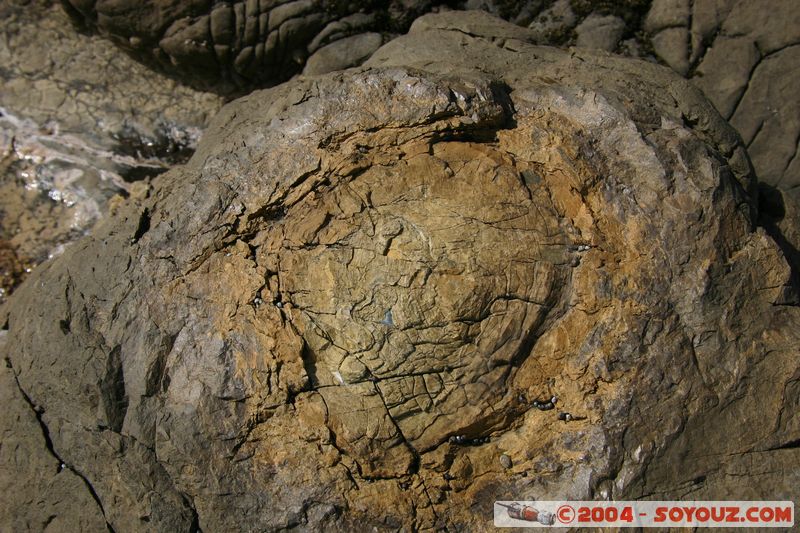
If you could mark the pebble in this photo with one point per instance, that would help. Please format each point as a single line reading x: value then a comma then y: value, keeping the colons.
x: 464, y: 441
x: 505, y: 461
x: 543, y: 406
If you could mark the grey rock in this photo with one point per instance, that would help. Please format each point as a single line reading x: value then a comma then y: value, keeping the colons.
x: 667, y: 14
x: 600, y: 32
x: 37, y: 491
x: 707, y: 18
x: 725, y: 71
x: 554, y: 24
x: 344, y: 53
x: 741, y: 54
x: 768, y: 118
x: 357, y: 22
x: 672, y: 45
x: 234, y: 46
x: 478, y: 23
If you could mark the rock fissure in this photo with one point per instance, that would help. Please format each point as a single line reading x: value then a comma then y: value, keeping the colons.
x: 51, y: 449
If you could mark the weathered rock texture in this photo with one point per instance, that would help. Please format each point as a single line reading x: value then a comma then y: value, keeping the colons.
x: 79, y: 120
x: 745, y: 57
x: 338, y: 314
x: 742, y: 54
x: 80, y: 85
x: 241, y: 43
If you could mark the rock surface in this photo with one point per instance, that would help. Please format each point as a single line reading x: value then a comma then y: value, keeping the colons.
x: 746, y: 59
x: 227, y: 45
x: 344, y: 53
x: 743, y: 56
x: 600, y: 32
x: 79, y: 122
x: 339, y: 313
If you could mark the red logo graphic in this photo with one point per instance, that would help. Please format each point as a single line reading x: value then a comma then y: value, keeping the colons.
x: 566, y: 514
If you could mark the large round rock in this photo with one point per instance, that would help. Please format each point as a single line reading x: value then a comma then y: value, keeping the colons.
x: 366, y: 288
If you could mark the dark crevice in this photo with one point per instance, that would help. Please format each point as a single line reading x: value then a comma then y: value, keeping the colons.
x: 140, y: 172
x: 112, y: 387
x: 771, y: 210
x: 83, y: 21
x: 343, y: 453
x: 437, y: 519
x: 157, y: 378
x: 142, y: 227
x: 373, y: 378
x: 48, y: 442
x: 705, y: 45
x: 309, y: 365
x: 166, y: 146
x: 37, y: 411
x: 194, y: 527
x: 262, y: 415
x: 266, y: 213
x: 759, y: 129
x: 791, y: 445
x: 792, y: 159
x: 762, y: 57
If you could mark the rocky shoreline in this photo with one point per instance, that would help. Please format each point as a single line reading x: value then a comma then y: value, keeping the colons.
x: 472, y: 269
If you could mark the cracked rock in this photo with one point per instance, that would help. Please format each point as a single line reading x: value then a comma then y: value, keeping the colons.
x: 744, y: 57
x: 249, y: 42
x: 80, y: 121
x: 417, y: 220
x: 719, y: 44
